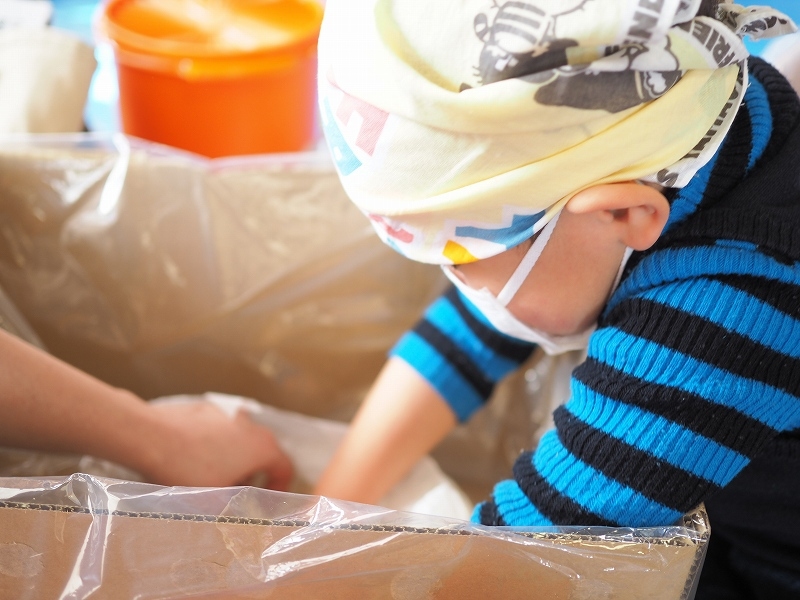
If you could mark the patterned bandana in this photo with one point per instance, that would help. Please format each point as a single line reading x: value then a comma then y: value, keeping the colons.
x: 460, y: 127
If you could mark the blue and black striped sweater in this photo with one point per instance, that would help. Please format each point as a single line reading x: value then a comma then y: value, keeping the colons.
x: 694, y: 370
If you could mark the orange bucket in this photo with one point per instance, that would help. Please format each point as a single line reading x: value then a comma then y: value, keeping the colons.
x: 216, y: 77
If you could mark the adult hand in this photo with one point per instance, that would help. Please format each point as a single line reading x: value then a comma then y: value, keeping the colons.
x: 48, y: 405
x: 197, y: 444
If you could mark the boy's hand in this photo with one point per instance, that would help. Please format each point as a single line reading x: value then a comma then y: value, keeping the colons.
x: 197, y: 444
x: 402, y: 418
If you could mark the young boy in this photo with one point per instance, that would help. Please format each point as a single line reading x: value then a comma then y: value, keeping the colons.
x: 610, y: 172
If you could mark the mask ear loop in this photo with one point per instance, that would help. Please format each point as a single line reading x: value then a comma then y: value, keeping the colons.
x: 528, y: 261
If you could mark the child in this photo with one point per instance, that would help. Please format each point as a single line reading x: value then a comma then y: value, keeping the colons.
x: 610, y: 172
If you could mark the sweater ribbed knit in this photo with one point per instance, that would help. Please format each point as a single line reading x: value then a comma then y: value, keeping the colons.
x: 694, y: 369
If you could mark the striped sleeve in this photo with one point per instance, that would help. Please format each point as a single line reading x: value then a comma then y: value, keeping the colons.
x: 695, y: 368
x: 459, y: 353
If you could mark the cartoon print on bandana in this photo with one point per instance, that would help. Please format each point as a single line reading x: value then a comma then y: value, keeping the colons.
x: 521, y: 42
x: 466, y: 241
x: 370, y: 122
x: 516, y: 232
x: 753, y: 26
x: 613, y: 90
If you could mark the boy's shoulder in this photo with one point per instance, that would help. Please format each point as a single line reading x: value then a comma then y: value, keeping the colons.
x: 750, y: 191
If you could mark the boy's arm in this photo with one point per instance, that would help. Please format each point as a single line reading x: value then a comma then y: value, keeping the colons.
x: 688, y: 379
x: 439, y: 373
x: 48, y: 405
x: 400, y: 421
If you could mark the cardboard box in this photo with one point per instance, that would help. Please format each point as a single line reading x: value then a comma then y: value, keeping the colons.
x: 165, y: 274
x: 82, y: 537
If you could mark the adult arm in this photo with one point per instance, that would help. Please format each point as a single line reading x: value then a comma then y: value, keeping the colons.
x: 48, y: 405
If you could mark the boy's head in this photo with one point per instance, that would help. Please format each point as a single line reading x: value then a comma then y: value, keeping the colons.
x: 461, y: 127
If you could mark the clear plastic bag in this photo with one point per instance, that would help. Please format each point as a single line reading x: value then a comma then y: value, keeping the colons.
x: 165, y: 273
x: 309, y: 442
x: 168, y: 274
x: 83, y: 536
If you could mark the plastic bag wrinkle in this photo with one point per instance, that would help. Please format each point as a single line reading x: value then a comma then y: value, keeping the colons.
x: 165, y: 273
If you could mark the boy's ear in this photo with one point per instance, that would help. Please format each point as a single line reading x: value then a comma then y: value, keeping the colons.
x: 635, y: 212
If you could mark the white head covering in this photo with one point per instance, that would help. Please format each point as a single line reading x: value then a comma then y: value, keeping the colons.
x: 460, y: 127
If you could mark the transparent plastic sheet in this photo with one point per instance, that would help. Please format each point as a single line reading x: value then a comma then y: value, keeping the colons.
x: 166, y: 274
x: 83, y: 536
x: 309, y: 442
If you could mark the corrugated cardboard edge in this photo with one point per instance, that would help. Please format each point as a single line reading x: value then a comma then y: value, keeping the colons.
x: 550, y: 565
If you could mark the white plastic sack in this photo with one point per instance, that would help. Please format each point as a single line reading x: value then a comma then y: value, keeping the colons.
x: 311, y: 442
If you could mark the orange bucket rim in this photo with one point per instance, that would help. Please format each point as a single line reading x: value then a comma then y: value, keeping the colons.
x: 142, y: 44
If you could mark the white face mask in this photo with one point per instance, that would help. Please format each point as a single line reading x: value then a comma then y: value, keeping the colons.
x: 495, y: 308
